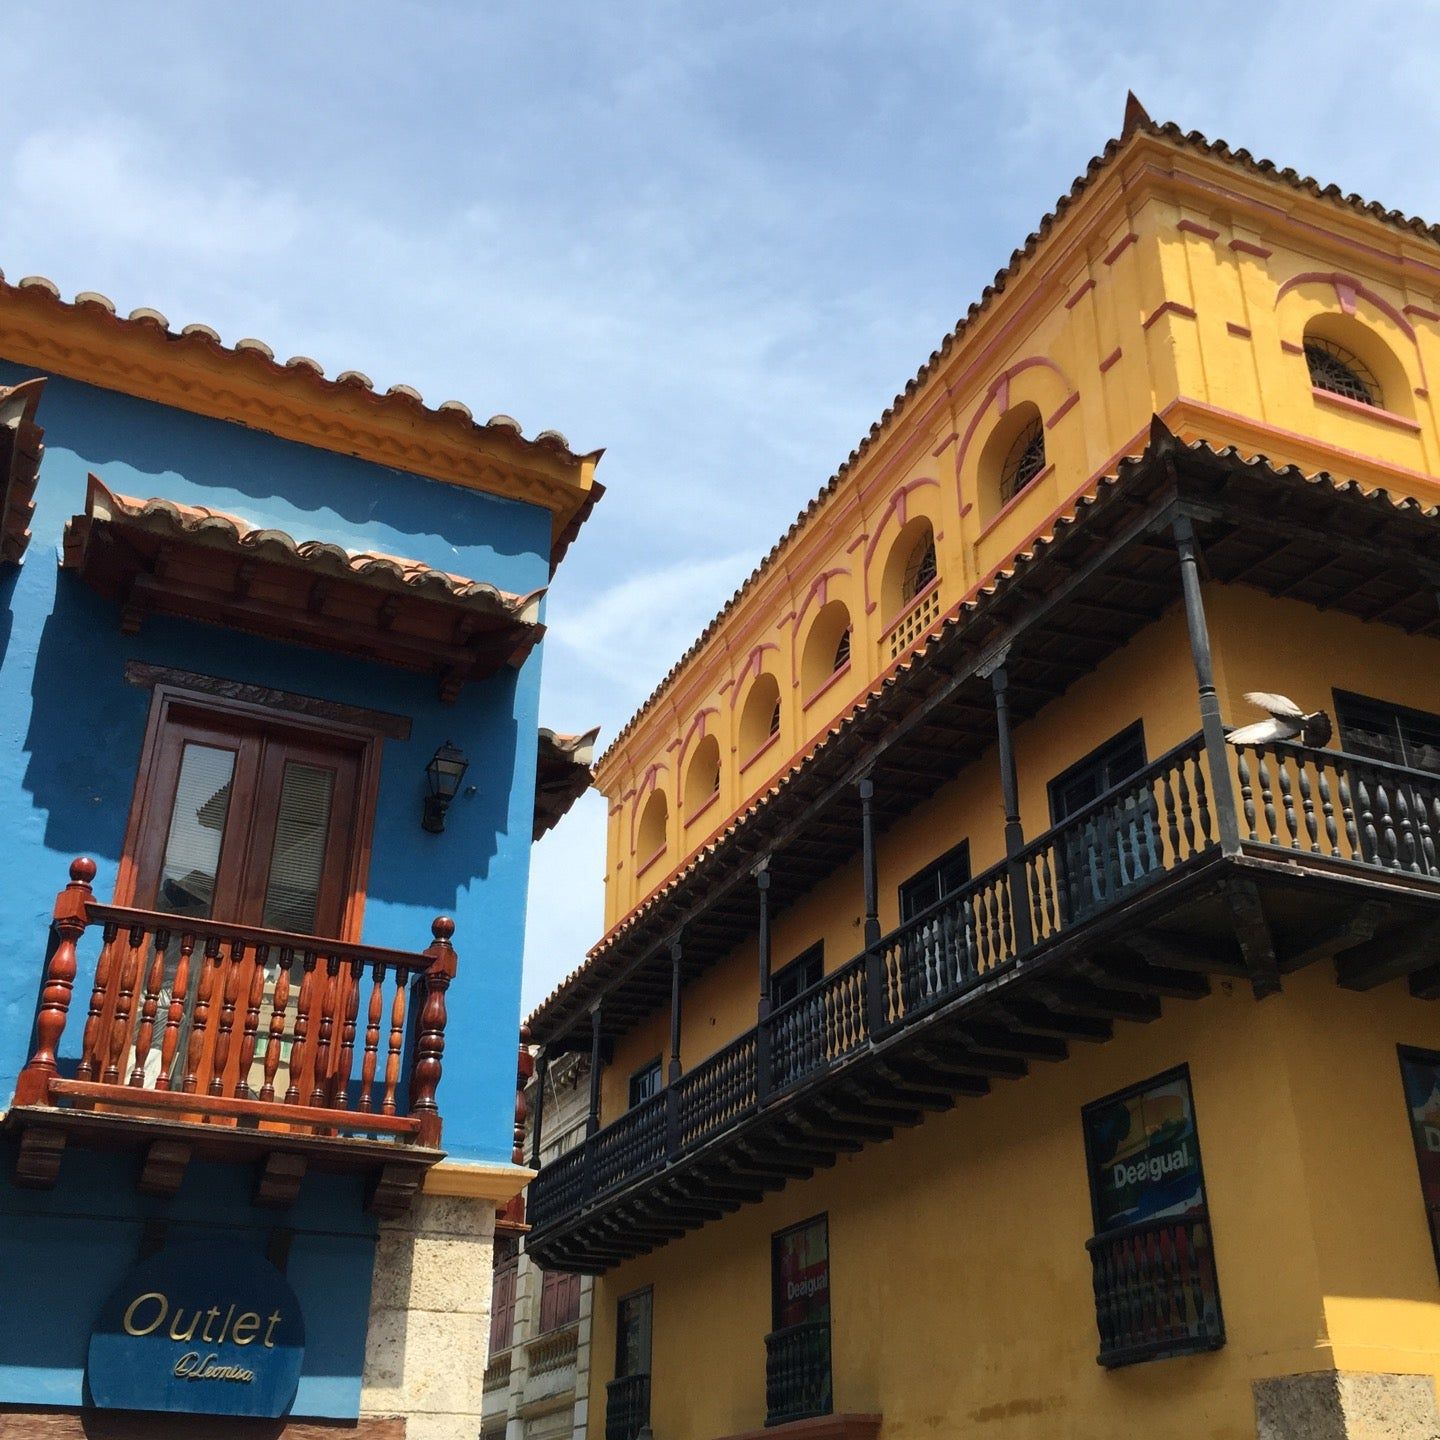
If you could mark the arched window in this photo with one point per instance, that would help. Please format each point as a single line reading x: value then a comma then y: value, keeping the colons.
x: 1012, y: 458
x: 910, y: 573
x: 760, y: 717
x: 1026, y: 459
x: 920, y: 569
x: 827, y: 647
x: 702, y: 779
x: 650, y: 837
x: 1340, y: 370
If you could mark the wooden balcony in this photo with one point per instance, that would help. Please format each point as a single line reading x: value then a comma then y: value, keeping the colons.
x: 204, y: 1038
x: 1140, y: 896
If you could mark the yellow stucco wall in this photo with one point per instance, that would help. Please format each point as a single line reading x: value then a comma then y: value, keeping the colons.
x: 960, y: 1285
x: 1259, y: 643
x: 1176, y: 284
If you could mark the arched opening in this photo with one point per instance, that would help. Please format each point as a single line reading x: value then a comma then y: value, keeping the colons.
x: 702, y: 779
x: 760, y: 718
x: 1013, y: 457
x: 910, y: 567
x: 827, y: 647
x: 650, y: 837
x: 1347, y: 358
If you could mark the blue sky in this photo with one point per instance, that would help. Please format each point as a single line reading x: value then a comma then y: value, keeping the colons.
x: 713, y: 238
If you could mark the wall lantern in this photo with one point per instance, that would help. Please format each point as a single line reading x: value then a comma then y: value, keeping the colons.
x: 443, y: 775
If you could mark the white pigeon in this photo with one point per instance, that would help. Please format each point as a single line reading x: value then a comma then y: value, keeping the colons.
x: 1287, y: 722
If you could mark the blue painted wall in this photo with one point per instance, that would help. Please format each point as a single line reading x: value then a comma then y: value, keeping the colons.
x: 84, y: 1235
x: 71, y: 730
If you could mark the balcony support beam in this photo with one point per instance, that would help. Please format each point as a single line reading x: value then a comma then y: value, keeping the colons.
x: 592, y: 1119
x: 1222, y: 789
x: 542, y: 1066
x: 866, y: 788
x: 999, y: 674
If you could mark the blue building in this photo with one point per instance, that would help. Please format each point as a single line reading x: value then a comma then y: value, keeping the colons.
x: 270, y: 650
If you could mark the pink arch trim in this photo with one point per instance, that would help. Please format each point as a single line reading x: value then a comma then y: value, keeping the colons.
x: 899, y: 507
x: 1347, y: 287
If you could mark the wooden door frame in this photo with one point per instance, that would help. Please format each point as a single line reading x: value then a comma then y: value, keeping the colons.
x: 366, y: 741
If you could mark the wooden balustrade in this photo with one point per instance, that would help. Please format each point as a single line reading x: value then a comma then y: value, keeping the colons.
x: 627, y: 1407
x: 1321, y: 804
x: 945, y: 949
x: 1340, y: 807
x: 206, y: 1019
x: 797, y: 1372
x: 1156, y: 1292
x: 1149, y: 824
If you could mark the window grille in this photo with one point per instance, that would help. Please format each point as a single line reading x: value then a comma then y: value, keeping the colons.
x: 1340, y: 371
x: 842, y: 651
x: 1024, y: 462
x: 922, y: 568
x: 914, y: 623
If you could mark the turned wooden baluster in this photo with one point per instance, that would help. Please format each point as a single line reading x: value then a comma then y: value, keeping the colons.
x: 1172, y: 813
x: 388, y: 1104
x: 154, y: 979
x: 70, y: 917
x: 92, y: 1039
x: 1347, y: 812
x: 1327, y: 809
x: 250, y: 1032
x: 1287, y: 798
x: 329, y: 997
x: 200, y: 1027
x: 175, y: 1014
x: 1247, y: 795
x: 120, y: 1021
x: 372, y: 1039
x: 227, y: 1017
x: 279, y: 1003
x: 1406, y: 849
x: 302, y: 1028
x: 1267, y: 799
x: 430, y: 1041
x: 340, y: 1088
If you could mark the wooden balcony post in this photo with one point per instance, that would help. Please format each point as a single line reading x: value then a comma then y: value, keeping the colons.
x: 430, y: 1041
x: 999, y: 673
x: 876, y: 1016
x: 672, y: 1093
x: 592, y: 1119
x: 542, y: 1068
x: 70, y: 918
x: 1222, y: 789
x: 762, y: 948
x: 524, y: 1069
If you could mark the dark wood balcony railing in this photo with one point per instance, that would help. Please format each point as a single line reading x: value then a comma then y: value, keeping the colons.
x: 1342, y: 812
x: 205, y: 1019
x: 627, y: 1407
x: 1155, y: 1290
x: 797, y: 1372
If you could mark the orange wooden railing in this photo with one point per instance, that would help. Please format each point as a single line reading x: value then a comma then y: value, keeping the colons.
x: 212, y: 1020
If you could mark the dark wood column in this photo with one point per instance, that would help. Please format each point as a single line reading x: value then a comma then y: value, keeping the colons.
x: 675, y: 954
x: 592, y: 1121
x: 542, y: 1066
x: 866, y: 787
x: 999, y: 673
x: 762, y: 936
x: 1222, y: 788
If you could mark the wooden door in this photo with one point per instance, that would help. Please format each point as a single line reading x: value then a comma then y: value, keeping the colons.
x: 250, y: 823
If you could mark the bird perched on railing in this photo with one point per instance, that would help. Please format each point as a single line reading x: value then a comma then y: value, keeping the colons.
x: 1287, y: 722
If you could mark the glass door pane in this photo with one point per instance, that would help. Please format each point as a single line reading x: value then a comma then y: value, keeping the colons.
x: 191, y: 861
x: 297, y: 859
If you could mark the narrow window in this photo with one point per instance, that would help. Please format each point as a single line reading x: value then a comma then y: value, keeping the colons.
x: 797, y: 1350
x: 627, y: 1396
x: 1394, y: 733
x: 1024, y: 460
x: 1340, y: 371
x: 645, y: 1083
x: 559, y: 1300
x: 803, y: 973
x: 1156, y: 1292
x: 937, y: 881
x: 1111, y: 825
x: 502, y: 1294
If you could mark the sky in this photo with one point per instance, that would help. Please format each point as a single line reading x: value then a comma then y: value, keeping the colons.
x: 714, y: 239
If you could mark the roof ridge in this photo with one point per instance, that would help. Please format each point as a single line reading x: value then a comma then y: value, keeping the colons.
x: 1136, y: 121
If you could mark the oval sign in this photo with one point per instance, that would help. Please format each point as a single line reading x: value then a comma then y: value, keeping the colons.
x: 201, y: 1330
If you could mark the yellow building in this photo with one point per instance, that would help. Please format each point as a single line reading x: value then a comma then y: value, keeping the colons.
x: 945, y: 796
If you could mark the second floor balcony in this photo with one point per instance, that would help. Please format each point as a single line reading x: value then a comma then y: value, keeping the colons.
x: 1214, y: 859
x: 202, y: 1038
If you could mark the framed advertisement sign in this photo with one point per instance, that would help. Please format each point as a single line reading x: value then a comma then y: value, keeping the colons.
x: 1143, y: 1153
x: 1420, y: 1072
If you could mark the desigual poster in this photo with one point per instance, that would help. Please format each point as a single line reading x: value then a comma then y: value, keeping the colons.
x: 1144, y: 1158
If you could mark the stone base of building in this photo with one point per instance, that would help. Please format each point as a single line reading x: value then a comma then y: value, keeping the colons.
x: 430, y: 1318
x: 1346, y: 1405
